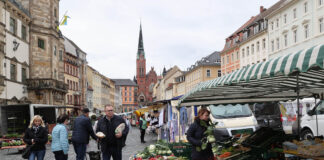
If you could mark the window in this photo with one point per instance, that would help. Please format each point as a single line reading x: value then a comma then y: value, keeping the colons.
x: 295, y: 36
x: 247, y: 51
x: 208, y: 73
x: 125, y: 93
x: 237, y: 55
x: 277, y: 20
x: 54, y: 73
x: 305, y: 7
x: 272, y: 45
x: 256, y: 29
x: 252, y: 49
x: 61, y: 55
x: 263, y: 43
x: 130, y: 98
x: 258, y: 46
x: 13, y: 72
x: 242, y: 53
x: 232, y: 57
x: 13, y: 25
x: 54, y: 50
x: 286, y: 40
x: 227, y: 59
x: 306, y: 31
x: 278, y: 43
x: 295, y: 13
x: 285, y: 18
x: 125, y: 99
x: 271, y: 25
x: 219, y: 73
x: 55, y: 13
x: 321, y: 25
x: 23, y: 32
x: 130, y: 93
x: 223, y: 60
x: 23, y: 75
x: 320, y: 2
x: 41, y: 43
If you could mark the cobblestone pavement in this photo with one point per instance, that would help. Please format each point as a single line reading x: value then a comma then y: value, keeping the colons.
x: 133, y: 145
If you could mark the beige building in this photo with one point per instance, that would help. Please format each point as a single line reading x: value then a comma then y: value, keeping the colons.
x: 207, y: 68
x: 46, y: 80
x: 163, y: 89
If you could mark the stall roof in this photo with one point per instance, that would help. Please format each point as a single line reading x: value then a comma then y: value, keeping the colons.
x: 271, y: 80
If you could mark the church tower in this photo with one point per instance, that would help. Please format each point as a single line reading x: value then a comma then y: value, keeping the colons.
x: 141, y: 69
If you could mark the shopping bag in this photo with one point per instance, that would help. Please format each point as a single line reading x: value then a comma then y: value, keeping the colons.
x: 26, y: 153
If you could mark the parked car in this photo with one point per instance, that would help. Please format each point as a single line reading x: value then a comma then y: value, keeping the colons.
x: 312, y: 123
x: 232, y: 120
x: 268, y: 115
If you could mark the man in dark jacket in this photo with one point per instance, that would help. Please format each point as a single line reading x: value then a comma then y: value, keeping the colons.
x: 111, y: 145
x: 80, y: 135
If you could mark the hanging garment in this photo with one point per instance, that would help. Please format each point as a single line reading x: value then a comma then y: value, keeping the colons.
x: 161, y: 117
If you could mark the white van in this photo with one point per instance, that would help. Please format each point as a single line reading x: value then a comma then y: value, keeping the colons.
x: 311, y: 127
x: 232, y: 119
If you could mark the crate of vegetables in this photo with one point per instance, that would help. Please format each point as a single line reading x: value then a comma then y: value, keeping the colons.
x: 181, y: 149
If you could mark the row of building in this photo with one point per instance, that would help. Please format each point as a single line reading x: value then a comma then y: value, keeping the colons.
x: 39, y: 65
x: 286, y: 27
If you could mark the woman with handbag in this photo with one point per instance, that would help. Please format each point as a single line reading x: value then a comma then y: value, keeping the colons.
x: 60, y: 142
x: 36, y: 137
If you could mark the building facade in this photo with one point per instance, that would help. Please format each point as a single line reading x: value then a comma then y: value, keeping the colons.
x: 128, y: 89
x: 144, y: 81
x: 14, y: 53
x: 207, y: 68
x: 46, y: 79
x: 296, y: 25
x: 230, y: 56
x: 72, y: 74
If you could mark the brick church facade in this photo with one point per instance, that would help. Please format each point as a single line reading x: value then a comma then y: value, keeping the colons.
x: 145, y: 81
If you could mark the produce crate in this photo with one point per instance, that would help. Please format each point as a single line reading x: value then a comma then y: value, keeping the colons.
x: 181, y: 149
x: 263, y: 138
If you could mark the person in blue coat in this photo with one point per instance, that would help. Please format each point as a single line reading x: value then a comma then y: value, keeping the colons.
x: 60, y: 142
x: 80, y: 136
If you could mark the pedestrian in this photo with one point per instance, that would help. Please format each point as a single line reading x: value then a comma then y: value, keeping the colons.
x: 142, y: 126
x: 111, y: 144
x: 195, y: 134
x: 60, y: 142
x: 96, y: 123
x: 124, y: 137
x: 80, y: 135
x: 36, y: 135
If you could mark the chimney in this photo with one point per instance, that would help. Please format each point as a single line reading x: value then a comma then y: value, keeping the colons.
x: 262, y: 9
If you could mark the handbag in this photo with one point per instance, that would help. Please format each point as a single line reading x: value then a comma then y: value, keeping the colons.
x: 26, y: 153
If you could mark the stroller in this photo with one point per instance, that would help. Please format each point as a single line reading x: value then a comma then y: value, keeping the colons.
x: 95, y: 155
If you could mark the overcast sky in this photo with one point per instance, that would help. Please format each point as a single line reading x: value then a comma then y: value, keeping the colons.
x: 175, y: 32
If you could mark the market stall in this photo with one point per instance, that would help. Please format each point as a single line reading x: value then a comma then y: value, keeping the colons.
x: 294, y: 76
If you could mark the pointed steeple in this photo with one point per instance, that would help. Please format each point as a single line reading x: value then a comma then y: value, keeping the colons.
x: 140, y: 44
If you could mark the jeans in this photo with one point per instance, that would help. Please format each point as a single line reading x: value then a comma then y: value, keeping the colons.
x: 59, y: 155
x: 39, y: 154
x: 80, y: 150
x: 112, y: 151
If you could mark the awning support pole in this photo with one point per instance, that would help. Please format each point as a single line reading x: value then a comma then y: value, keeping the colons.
x: 298, y: 108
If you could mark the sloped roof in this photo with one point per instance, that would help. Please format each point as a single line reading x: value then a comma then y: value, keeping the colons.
x: 124, y: 82
x: 210, y: 60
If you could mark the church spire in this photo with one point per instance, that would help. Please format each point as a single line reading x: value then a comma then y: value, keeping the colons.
x: 140, y: 44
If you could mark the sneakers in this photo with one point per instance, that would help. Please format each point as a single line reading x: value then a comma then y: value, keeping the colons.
x: 143, y: 141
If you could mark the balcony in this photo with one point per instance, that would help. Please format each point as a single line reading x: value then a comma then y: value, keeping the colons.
x: 47, y: 84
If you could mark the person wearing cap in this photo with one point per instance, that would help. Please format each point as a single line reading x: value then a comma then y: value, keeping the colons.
x: 81, y: 131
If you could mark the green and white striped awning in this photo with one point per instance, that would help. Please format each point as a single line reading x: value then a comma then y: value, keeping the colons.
x: 271, y: 80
